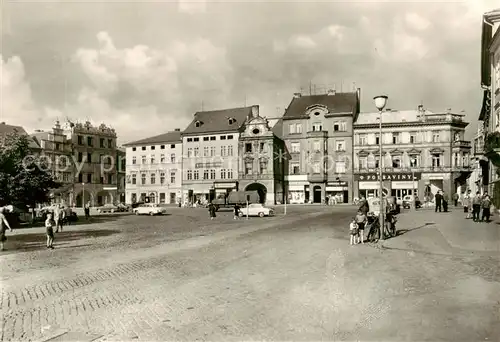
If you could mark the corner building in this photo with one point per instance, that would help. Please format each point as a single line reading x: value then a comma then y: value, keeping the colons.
x: 423, y: 153
x: 318, y: 131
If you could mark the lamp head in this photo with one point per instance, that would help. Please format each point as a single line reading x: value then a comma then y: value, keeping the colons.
x: 380, y: 101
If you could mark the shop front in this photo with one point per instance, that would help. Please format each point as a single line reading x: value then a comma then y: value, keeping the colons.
x: 221, y: 189
x: 398, y: 184
x: 337, y: 192
x: 298, y: 189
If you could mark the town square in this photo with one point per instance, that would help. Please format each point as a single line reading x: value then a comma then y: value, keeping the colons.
x: 244, y: 171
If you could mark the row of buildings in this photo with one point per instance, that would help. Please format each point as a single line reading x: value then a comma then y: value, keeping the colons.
x: 84, y: 158
x: 323, y: 146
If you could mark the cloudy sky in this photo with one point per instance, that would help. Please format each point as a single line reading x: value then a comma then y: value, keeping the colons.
x: 145, y: 67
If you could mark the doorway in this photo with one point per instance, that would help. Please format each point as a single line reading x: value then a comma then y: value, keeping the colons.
x: 317, y: 194
x: 261, y: 190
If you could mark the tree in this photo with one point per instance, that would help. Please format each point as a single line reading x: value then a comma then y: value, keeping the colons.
x: 24, y: 177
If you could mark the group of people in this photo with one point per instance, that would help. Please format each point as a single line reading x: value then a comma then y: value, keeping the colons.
x: 441, y: 202
x: 477, y: 203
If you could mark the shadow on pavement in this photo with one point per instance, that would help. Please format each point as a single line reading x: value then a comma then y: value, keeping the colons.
x: 31, y: 242
x: 404, y: 231
x: 81, y: 221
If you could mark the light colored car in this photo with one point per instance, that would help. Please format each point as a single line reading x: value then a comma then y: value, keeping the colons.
x: 107, y: 208
x: 149, y: 209
x: 256, y: 209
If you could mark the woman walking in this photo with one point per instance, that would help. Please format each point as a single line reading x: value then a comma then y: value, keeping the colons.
x: 466, y: 201
x: 211, y: 210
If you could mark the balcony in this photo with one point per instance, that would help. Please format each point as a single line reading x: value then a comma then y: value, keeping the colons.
x: 461, y: 143
x: 317, y: 177
x: 317, y: 134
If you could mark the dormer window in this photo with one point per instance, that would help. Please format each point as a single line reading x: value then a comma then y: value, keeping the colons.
x: 231, y: 121
x: 197, y: 123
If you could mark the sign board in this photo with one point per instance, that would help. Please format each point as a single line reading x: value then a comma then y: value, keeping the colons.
x: 374, y: 176
x: 109, y: 188
x: 207, y: 165
x: 225, y: 185
x: 341, y: 184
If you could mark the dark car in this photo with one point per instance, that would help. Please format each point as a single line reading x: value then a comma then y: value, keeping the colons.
x: 408, y: 202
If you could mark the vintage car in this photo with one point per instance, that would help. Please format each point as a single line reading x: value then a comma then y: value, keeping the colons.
x: 149, y: 209
x: 107, y: 208
x: 408, y: 202
x: 256, y: 209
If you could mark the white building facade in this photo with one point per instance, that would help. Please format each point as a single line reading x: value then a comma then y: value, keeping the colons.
x: 154, y: 169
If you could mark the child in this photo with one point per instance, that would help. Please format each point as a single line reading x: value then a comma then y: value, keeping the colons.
x: 353, y: 227
x: 361, y: 221
x: 49, y: 225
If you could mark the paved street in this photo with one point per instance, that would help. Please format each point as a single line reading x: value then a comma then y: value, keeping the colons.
x: 293, y: 277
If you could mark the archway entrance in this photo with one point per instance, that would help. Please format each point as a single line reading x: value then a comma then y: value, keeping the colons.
x: 82, y: 198
x: 104, y: 197
x: 317, y: 194
x: 261, y: 189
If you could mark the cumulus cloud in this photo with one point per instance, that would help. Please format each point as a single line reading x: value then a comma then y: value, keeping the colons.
x: 416, y: 22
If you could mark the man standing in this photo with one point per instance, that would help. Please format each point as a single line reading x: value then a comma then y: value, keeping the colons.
x: 438, y: 199
x: 445, y: 202
x: 486, y: 204
x: 87, y: 210
x: 455, y: 199
x: 466, y: 202
x: 476, y: 207
x: 58, y: 217
x: 4, y: 224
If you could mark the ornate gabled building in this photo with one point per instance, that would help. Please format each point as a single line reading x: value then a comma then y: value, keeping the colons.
x: 262, y: 159
x: 423, y: 153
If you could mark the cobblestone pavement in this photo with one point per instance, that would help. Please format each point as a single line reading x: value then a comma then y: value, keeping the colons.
x: 292, y: 277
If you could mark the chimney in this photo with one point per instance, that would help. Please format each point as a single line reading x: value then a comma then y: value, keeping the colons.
x: 331, y: 92
x: 255, y: 111
x: 177, y: 130
x: 297, y: 95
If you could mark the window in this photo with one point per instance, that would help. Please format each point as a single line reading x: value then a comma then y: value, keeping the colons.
x: 172, y: 158
x: 414, y: 160
x: 80, y: 178
x: 162, y: 197
x: 143, y: 178
x: 162, y: 177
x: 190, y: 152
x: 377, y: 139
x: 80, y: 140
x: 196, y: 175
x: 134, y: 179
x: 102, y: 180
x: 212, y: 174
x: 110, y: 143
x: 172, y: 146
x: 190, y: 175
x: 465, y: 159
x: 455, y: 159
x: 248, y: 167
x: 134, y: 160
x: 143, y: 148
x: 316, y: 146
x: 230, y: 150
x: 205, y: 138
x: 152, y: 147
x: 134, y: 149
x: 316, y: 167
x: 101, y: 143
x: 89, y: 157
x: 223, y: 173
x: 162, y: 147
x: 172, y: 177
x: 205, y: 174
x: 89, y: 178
x: 295, y: 169
x: 362, y: 139
x: 339, y: 126
x: 230, y: 174
x: 223, y: 151
x: 261, y: 147
x: 213, y: 138
x: 295, y: 128
x: 162, y: 158
x: 143, y: 159
x: 340, y: 145
x: 436, y: 160
x: 90, y: 141
x: 153, y: 160
x: 377, y: 162
x: 435, y: 136
x: 396, y: 162
x: 206, y: 151
x: 413, y: 137
x: 340, y: 166
x: 317, y: 127
x: 197, y: 123
x: 196, y: 139
x: 263, y: 167
x: 363, y: 163
x: 295, y: 146
x: 395, y: 138
x: 189, y: 139
x: 248, y: 147
x: 230, y: 137
x: 222, y: 137
x: 80, y: 157
x: 196, y: 151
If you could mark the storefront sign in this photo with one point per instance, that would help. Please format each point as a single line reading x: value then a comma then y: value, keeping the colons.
x: 224, y: 185
x: 336, y: 188
x: 404, y: 185
x: 369, y: 185
x: 338, y: 184
x: 405, y: 176
x: 207, y: 165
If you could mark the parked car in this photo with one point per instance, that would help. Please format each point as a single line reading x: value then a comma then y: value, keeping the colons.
x: 122, y: 207
x: 107, y: 208
x: 256, y: 209
x: 408, y: 202
x: 149, y: 209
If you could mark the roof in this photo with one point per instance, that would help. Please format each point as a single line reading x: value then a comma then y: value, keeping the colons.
x: 218, y: 120
x: 9, y: 129
x: 402, y: 116
x: 278, y: 129
x: 337, y: 103
x: 169, y: 137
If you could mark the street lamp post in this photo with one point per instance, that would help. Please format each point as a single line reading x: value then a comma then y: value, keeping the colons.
x: 380, y: 102
x: 83, y: 195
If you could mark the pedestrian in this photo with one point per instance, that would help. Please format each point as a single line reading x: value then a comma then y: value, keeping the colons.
x: 49, y: 228
x: 455, y: 199
x: 438, y: 201
x: 486, y: 205
x: 364, y: 206
x: 87, y: 210
x: 353, y: 229
x: 58, y: 217
x: 361, y: 222
x: 4, y: 225
x: 236, y: 212
x: 445, y: 202
x: 211, y: 210
x: 67, y: 215
x: 466, y: 202
x: 476, y: 207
